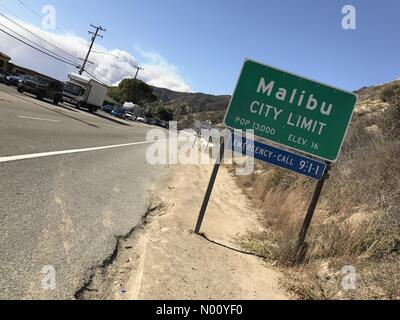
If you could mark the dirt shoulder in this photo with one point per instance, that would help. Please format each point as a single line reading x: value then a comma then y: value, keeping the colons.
x: 166, y: 260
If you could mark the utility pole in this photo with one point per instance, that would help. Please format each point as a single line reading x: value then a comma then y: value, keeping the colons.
x: 137, y: 71
x: 94, y: 37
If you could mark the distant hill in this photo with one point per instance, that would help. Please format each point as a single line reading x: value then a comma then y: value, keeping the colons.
x: 166, y: 95
x: 188, y: 107
x: 375, y: 92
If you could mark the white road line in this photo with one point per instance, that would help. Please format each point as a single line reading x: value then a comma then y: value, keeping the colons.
x: 63, y: 152
x: 40, y: 119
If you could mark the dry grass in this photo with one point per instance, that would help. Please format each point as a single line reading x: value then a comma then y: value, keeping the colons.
x: 357, y: 221
x: 376, y: 92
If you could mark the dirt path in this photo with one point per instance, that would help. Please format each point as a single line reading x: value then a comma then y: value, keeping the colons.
x: 165, y: 260
x: 171, y: 262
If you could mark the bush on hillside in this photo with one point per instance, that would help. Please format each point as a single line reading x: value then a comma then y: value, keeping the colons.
x: 131, y: 90
x: 389, y: 93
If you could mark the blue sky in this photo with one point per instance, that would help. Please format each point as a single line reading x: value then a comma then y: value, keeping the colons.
x: 206, y: 41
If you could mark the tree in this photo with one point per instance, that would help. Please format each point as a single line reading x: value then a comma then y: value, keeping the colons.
x: 115, y: 93
x: 165, y: 114
x: 136, y: 91
x: 131, y: 90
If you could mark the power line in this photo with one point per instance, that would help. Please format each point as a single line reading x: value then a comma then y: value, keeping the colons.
x: 63, y: 59
x: 38, y: 45
x: 41, y: 17
x: 94, y: 70
x: 92, y: 75
x: 39, y: 37
x: 53, y: 45
x: 100, y: 74
x: 45, y: 49
x: 106, y: 53
x: 33, y: 47
x: 30, y: 9
x: 26, y: 29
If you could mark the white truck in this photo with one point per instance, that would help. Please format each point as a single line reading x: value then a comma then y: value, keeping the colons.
x: 84, y: 92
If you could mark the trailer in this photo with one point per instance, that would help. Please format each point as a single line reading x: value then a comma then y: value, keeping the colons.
x: 84, y: 92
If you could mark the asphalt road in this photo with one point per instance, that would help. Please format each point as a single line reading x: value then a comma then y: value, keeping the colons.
x: 65, y: 211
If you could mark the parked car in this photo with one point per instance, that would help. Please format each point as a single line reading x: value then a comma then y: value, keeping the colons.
x: 3, y: 76
x: 119, y: 113
x: 130, y: 116
x: 157, y: 122
x: 24, y: 77
x: 43, y: 88
x: 151, y: 121
x: 108, y: 108
x: 13, y: 80
x: 141, y: 119
x: 161, y: 124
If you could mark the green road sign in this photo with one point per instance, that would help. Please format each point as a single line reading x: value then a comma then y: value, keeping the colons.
x: 290, y: 110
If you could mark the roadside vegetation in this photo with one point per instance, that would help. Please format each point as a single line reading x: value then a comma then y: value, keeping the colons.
x: 140, y: 93
x: 357, y: 222
x: 132, y: 90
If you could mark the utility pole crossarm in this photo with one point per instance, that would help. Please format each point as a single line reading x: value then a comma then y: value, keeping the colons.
x: 137, y: 71
x: 98, y: 27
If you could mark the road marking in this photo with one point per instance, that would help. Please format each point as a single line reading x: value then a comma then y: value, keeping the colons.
x: 63, y: 152
x: 40, y: 119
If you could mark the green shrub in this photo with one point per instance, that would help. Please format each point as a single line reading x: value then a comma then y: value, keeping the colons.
x: 388, y: 93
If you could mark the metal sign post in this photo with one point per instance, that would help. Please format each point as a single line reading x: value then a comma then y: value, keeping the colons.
x: 195, y: 140
x: 301, y: 248
x: 210, y: 187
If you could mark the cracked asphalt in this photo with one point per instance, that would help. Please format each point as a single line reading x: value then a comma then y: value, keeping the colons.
x: 65, y: 211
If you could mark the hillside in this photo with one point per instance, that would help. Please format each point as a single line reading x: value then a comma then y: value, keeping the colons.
x: 374, y: 93
x: 188, y: 107
x: 357, y: 222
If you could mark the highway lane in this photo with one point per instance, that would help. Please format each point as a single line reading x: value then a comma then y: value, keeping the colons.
x: 68, y: 128
x: 65, y: 211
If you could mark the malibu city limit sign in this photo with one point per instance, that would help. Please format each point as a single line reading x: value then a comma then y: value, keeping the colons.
x: 292, y: 111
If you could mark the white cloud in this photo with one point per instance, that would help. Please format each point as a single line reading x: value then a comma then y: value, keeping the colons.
x: 157, y: 70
